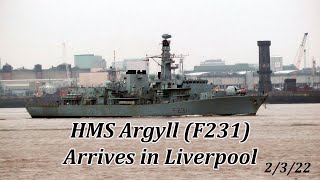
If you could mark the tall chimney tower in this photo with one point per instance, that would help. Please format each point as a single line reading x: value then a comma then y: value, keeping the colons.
x: 38, y: 71
x: 264, y: 67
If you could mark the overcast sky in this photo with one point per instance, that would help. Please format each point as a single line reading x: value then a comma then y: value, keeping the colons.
x: 32, y: 31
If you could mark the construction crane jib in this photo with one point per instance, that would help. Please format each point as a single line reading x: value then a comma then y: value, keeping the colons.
x: 301, y: 52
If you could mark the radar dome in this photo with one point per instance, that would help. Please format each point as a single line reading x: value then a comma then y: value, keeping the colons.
x: 166, y: 36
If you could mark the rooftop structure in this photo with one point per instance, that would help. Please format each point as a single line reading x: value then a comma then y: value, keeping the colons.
x: 276, y: 63
x: 224, y: 68
x: 213, y: 62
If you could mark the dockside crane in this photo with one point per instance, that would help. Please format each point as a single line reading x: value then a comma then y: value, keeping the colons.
x: 301, y: 52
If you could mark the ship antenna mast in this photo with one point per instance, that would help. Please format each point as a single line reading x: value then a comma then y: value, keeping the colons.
x: 113, y: 69
x: 181, y: 61
x: 65, y: 62
x: 114, y: 58
x: 313, y: 71
x: 181, y: 64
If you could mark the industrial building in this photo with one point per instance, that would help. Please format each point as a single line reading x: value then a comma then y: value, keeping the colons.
x: 90, y: 70
x: 88, y: 61
x: 250, y: 79
x: 222, y: 69
x: 276, y: 63
x: 58, y: 72
x: 24, y: 81
x: 89, y: 79
x: 132, y: 64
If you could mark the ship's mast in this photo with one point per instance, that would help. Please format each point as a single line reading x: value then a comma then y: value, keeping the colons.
x: 181, y: 65
x: 313, y: 71
x: 166, y: 60
x: 113, y: 69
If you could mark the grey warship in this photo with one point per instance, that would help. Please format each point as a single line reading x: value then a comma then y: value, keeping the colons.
x: 134, y: 95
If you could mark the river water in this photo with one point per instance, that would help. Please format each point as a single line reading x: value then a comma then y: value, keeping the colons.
x: 35, y: 148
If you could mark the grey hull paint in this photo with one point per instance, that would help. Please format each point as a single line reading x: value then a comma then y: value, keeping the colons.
x: 247, y: 105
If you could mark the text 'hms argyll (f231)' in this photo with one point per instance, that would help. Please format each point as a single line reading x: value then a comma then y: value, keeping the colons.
x: 153, y: 134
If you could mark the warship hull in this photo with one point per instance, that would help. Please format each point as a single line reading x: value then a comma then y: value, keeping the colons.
x: 234, y: 105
